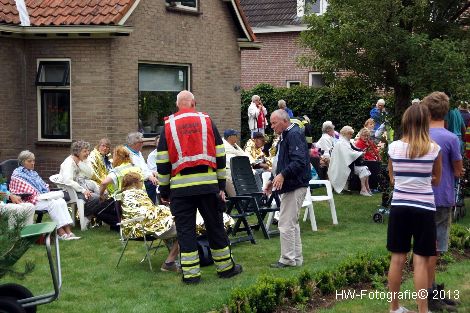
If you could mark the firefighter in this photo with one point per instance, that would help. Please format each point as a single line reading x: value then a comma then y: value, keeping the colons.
x: 191, y: 172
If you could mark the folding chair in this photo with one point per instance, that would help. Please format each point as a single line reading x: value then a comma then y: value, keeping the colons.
x: 77, y: 203
x: 309, y: 213
x: 148, y: 240
x: 6, y: 169
x: 249, y: 196
x: 240, y: 204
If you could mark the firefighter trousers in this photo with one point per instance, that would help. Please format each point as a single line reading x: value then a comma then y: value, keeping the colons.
x: 184, y: 211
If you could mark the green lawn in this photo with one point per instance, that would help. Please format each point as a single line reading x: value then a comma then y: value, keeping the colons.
x: 91, y: 282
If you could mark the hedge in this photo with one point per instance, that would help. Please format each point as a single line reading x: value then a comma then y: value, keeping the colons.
x: 346, y: 103
x: 270, y: 293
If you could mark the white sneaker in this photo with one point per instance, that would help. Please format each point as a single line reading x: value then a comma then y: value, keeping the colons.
x: 401, y: 310
x: 72, y: 236
x: 365, y: 193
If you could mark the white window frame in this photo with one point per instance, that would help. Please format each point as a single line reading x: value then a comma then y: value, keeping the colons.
x: 310, y: 80
x: 301, y: 9
x: 185, y: 7
x: 296, y: 82
x: 39, y: 98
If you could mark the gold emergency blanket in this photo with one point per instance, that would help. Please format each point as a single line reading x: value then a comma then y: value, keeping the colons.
x: 158, y: 218
x: 201, y: 229
x: 256, y: 153
x: 99, y: 169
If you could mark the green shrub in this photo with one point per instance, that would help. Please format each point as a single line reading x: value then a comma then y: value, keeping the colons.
x: 459, y: 237
x: 346, y: 103
x: 269, y: 293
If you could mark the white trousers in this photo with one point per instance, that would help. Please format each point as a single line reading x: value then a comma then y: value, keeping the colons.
x: 289, y: 229
x: 57, y: 209
x: 18, y: 209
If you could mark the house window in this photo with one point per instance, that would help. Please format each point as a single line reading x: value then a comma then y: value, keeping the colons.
x: 293, y: 83
x: 53, y: 92
x: 316, y: 6
x: 183, y: 4
x: 158, y: 87
x: 53, y: 73
x: 315, y: 79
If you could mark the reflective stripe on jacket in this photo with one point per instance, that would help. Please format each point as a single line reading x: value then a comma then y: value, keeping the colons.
x: 192, y: 140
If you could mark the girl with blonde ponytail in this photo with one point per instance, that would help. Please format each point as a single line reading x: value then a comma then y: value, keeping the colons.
x: 414, y: 167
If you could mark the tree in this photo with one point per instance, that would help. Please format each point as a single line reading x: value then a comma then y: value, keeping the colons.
x: 412, y: 47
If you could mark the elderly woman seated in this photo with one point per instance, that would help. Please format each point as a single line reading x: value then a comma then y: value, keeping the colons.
x: 365, y: 143
x: 100, y: 162
x: 25, y: 180
x: 17, y: 211
x: 254, y: 149
x: 345, y: 154
x: 76, y: 171
x: 327, y: 139
x: 157, y: 219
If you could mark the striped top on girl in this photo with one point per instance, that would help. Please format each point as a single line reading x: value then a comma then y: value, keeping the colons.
x: 412, y: 176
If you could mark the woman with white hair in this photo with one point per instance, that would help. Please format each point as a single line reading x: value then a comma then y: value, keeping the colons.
x: 344, y: 154
x: 327, y: 139
x: 25, y: 180
x: 77, y: 171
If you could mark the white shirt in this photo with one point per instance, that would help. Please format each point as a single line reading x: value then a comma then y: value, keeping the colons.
x: 152, y: 160
x: 325, y: 143
x: 138, y: 160
x: 231, y: 151
x: 71, y: 172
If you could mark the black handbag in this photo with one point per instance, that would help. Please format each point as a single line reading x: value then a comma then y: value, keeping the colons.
x: 205, y: 255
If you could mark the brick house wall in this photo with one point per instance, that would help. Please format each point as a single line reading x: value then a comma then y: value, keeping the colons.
x: 104, y: 77
x: 12, y: 105
x: 275, y: 63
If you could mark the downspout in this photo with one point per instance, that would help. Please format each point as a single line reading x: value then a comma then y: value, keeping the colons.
x: 23, y: 12
x: 300, y: 8
x: 24, y: 21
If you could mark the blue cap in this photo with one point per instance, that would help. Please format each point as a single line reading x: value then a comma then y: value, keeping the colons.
x: 230, y: 132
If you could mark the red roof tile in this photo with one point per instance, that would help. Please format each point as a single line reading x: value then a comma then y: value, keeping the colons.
x: 67, y: 12
x: 8, y: 12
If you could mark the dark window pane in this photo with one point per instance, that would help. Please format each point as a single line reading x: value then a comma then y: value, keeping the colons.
x: 316, y: 80
x: 186, y: 3
x: 52, y: 73
x: 292, y: 84
x: 158, y: 87
x: 313, y: 6
x: 55, y: 114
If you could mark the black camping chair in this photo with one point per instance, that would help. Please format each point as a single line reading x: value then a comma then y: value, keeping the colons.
x: 6, y: 169
x: 249, y: 199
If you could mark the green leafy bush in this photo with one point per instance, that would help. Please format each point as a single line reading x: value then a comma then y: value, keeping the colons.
x: 459, y: 237
x: 346, y: 103
x: 269, y: 292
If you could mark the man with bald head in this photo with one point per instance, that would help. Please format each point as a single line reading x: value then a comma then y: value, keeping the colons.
x: 291, y: 181
x: 191, y: 171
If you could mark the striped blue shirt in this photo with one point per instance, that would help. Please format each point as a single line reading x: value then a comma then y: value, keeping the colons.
x: 412, y: 176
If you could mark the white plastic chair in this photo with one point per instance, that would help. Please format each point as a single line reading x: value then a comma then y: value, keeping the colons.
x: 77, y: 204
x: 309, y: 199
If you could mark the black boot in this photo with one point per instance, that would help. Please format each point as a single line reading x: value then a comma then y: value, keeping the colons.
x: 235, y: 270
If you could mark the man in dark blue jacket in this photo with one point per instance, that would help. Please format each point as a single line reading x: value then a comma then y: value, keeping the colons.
x: 291, y: 182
